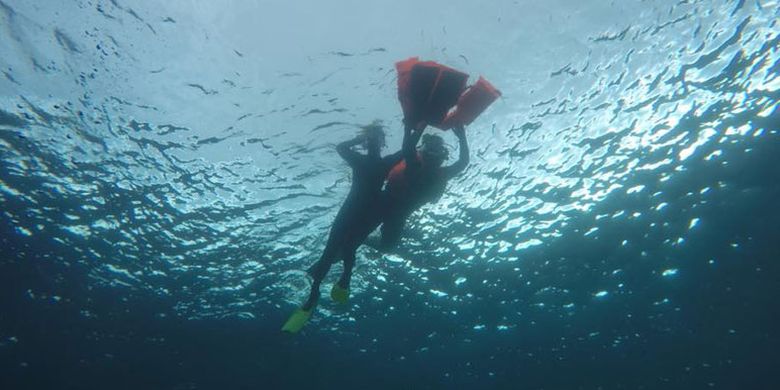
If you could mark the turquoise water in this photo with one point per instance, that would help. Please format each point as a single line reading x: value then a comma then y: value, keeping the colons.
x: 168, y: 171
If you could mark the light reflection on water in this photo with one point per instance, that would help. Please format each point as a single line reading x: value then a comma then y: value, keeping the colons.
x: 213, y: 182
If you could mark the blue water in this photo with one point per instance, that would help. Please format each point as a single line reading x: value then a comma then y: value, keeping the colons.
x: 168, y: 171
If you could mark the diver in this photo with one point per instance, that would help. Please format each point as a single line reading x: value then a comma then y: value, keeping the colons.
x: 418, y: 179
x: 359, y: 215
x: 430, y: 94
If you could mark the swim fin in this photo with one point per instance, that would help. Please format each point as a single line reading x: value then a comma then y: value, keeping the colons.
x: 471, y: 104
x: 339, y: 294
x: 297, y: 320
x: 428, y: 90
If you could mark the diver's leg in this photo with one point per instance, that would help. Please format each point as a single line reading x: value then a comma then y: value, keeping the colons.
x: 336, y: 239
x: 340, y: 291
x: 357, y: 236
x: 349, y: 264
x: 319, y: 270
x: 391, y: 232
x: 301, y: 316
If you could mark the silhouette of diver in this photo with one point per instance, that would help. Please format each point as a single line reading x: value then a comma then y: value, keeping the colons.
x: 359, y: 215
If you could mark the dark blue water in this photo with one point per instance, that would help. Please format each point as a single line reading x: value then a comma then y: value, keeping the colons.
x: 168, y: 171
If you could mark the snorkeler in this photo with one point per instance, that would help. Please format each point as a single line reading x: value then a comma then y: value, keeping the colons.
x: 418, y: 179
x: 358, y: 216
x: 437, y: 95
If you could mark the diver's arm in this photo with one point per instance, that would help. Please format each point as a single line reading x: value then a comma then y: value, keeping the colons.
x: 345, y: 151
x: 463, y: 155
x: 409, y: 146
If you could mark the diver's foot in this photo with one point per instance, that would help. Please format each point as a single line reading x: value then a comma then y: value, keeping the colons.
x: 297, y: 320
x: 339, y: 293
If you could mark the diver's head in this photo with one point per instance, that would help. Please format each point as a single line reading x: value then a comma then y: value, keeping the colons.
x: 433, y: 150
x: 373, y: 136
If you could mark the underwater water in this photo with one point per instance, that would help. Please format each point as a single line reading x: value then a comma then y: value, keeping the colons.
x: 168, y: 171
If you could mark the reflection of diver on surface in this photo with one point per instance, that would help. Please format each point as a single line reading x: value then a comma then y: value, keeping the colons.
x: 358, y: 216
x: 418, y: 179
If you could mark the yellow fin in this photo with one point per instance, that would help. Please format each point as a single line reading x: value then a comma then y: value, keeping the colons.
x: 339, y: 294
x: 297, y: 320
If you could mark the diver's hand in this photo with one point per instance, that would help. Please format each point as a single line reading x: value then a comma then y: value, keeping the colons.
x: 354, y: 141
x: 360, y: 138
x: 460, y: 131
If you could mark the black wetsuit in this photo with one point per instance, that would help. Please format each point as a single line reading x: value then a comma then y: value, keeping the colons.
x: 420, y: 187
x: 361, y: 212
